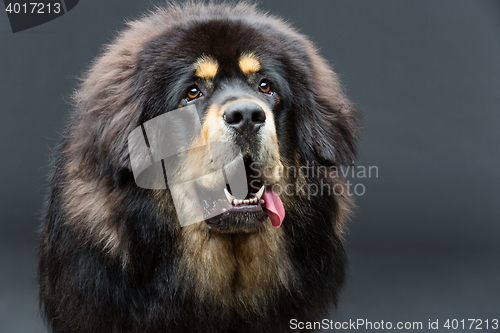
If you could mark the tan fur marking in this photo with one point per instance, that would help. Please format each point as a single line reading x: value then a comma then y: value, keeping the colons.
x: 206, y: 68
x: 213, y: 127
x: 249, y: 64
x: 239, y: 271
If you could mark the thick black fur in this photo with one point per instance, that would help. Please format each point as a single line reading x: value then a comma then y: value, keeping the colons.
x: 84, y: 288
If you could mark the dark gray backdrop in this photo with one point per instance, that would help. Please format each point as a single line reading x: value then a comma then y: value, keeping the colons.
x: 424, y: 241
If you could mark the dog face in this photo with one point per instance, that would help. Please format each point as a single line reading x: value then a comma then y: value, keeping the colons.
x: 251, y: 89
x: 228, y: 70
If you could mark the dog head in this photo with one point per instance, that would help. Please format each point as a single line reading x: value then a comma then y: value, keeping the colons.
x: 255, y: 82
x: 259, y: 86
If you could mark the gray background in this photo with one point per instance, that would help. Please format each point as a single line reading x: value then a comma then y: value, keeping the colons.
x: 424, y: 241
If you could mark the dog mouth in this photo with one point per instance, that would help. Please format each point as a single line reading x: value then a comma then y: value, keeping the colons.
x: 266, y: 199
x: 251, y: 203
x: 261, y: 202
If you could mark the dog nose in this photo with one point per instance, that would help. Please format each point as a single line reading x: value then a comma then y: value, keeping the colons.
x: 245, y: 116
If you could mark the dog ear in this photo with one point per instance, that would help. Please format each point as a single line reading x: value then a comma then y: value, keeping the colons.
x: 330, y: 126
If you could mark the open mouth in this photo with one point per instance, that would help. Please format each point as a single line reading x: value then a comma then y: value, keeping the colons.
x: 253, y: 209
x: 261, y: 202
x: 266, y: 199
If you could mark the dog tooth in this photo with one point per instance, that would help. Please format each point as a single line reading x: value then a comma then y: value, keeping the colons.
x: 260, y: 192
x: 246, y: 202
x: 229, y: 197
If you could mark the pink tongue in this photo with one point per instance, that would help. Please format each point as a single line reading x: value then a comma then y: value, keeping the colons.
x: 274, y: 206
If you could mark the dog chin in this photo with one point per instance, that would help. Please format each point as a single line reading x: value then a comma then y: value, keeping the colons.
x: 244, y: 219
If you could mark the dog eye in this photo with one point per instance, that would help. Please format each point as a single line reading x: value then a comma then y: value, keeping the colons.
x: 193, y: 93
x: 264, y: 86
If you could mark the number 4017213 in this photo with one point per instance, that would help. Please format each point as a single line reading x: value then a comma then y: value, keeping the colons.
x: 471, y: 324
x: 33, y: 8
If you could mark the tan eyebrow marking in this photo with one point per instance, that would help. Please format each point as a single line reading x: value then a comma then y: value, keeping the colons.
x: 206, y: 67
x: 249, y: 64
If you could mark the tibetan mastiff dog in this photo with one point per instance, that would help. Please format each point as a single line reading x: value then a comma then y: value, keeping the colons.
x: 114, y: 256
